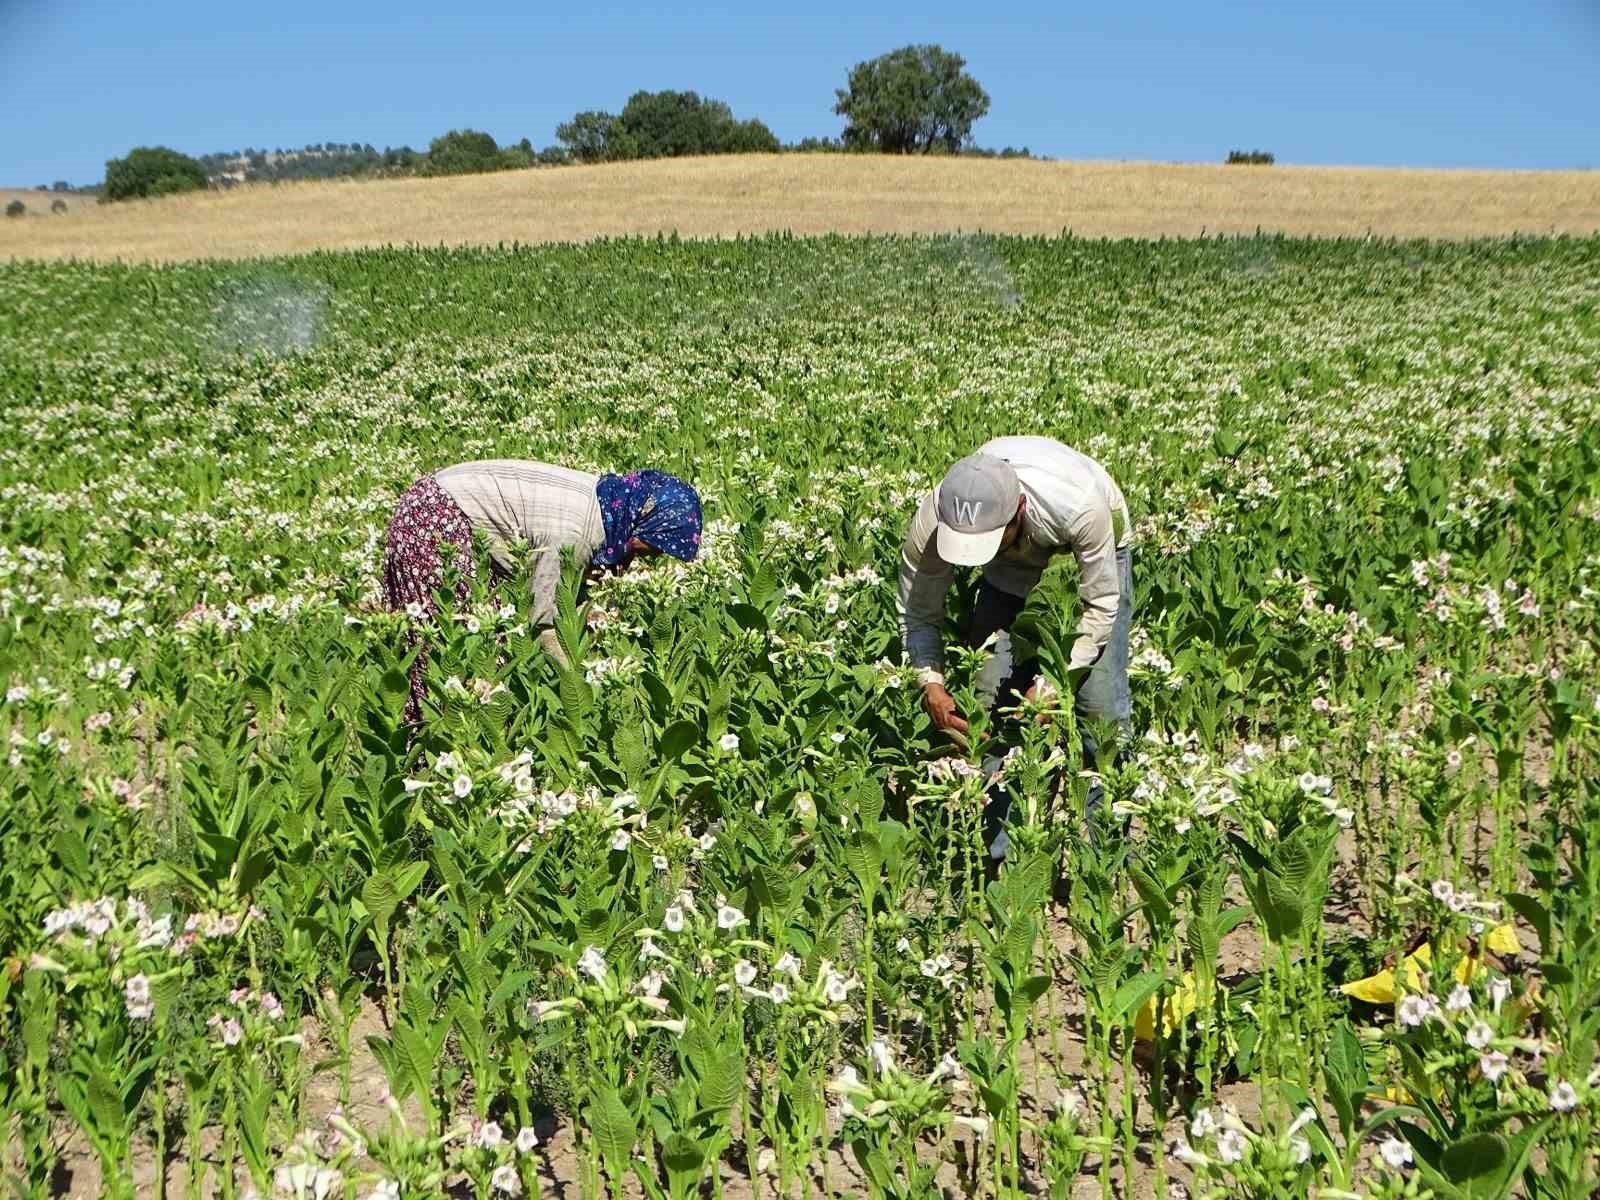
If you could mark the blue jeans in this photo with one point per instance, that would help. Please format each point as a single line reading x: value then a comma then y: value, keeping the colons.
x: 1104, y: 694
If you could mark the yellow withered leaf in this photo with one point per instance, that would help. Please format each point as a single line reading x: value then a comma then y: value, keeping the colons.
x: 1503, y: 939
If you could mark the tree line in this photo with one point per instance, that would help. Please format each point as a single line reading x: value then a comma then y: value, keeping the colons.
x: 918, y: 99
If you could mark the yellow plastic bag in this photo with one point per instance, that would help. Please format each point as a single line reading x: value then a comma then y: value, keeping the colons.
x: 1180, y: 1002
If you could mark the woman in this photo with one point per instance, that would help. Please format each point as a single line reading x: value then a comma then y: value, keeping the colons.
x: 528, y: 508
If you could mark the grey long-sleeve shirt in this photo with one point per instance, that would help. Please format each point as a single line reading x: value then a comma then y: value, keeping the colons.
x: 1072, y: 505
x: 530, y: 507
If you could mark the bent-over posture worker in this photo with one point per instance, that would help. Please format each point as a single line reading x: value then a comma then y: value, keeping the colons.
x: 535, y: 510
x: 1010, y: 508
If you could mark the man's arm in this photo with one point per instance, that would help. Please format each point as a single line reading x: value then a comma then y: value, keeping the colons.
x: 925, y: 580
x: 1094, y: 543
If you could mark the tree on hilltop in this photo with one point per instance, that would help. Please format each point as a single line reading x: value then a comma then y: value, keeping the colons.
x: 462, y: 152
x: 152, y: 171
x: 912, y: 100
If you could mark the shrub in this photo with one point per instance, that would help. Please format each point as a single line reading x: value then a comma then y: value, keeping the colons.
x: 152, y: 171
x: 463, y: 152
x: 1250, y: 158
x: 58, y: 205
x: 16, y: 208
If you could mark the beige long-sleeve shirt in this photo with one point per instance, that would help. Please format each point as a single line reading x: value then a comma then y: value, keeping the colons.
x: 530, y: 508
x: 1072, y: 505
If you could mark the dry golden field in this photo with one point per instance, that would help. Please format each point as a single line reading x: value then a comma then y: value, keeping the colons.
x: 810, y: 194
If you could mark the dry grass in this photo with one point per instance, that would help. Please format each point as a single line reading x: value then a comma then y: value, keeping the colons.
x: 39, y: 202
x: 812, y: 194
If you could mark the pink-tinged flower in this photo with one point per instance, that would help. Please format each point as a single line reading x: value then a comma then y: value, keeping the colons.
x: 621, y: 839
x: 232, y: 1032
x: 487, y: 1135
x: 1493, y: 1064
x: 271, y: 1006
x: 1443, y: 891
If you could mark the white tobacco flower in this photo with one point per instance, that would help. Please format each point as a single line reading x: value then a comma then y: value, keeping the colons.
x: 729, y: 917
x: 505, y: 1179
x: 1499, y: 992
x: 1480, y: 1035
x: 488, y: 1135
x: 1443, y: 891
x: 1187, y: 1154
x: 1414, y: 1010
x: 728, y: 743
x: 1563, y: 1097
x: 672, y: 921
x: 1395, y: 1152
x: 878, y: 1049
x: 788, y: 965
x: 621, y: 839
x: 593, y: 964
x: 1230, y: 1146
x: 1460, y: 999
x: 1493, y: 1064
x: 136, y: 998
x: 462, y: 786
x: 527, y: 1140
x: 744, y: 972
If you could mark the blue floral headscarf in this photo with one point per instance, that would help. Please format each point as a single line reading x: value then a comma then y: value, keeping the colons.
x: 658, y: 509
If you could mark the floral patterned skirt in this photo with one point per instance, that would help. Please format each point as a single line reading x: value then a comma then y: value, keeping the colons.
x: 413, y: 568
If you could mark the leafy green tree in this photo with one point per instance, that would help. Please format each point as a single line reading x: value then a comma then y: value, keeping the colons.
x: 911, y: 100
x: 665, y: 124
x: 462, y: 152
x: 592, y: 136
x: 152, y: 171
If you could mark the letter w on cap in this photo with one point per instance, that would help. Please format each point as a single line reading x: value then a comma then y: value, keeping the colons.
x: 967, y: 511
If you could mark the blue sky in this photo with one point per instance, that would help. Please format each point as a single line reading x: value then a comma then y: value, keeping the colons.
x: 1506, y: 83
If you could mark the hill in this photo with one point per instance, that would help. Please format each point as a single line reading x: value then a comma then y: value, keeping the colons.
x: 813, y: 194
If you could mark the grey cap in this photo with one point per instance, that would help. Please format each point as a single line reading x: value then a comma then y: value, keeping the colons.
x: 976, y: 501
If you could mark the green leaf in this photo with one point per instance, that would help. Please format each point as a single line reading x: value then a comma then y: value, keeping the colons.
x: 676, y: 739
x: 722, y: 1082
x: 105, y: 1105
x: 611, y: 1124
x: 1134, y: 992
x: 381, y: 898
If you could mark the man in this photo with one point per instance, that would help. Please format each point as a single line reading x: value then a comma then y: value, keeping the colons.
x: 1010, y: 508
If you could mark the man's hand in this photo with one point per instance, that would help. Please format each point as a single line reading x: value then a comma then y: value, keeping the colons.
x: 941, y: 709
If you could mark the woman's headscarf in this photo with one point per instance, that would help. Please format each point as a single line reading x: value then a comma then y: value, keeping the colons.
x: 658, y: 509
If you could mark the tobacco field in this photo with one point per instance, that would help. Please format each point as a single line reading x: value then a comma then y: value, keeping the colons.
x: 711, y: 913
